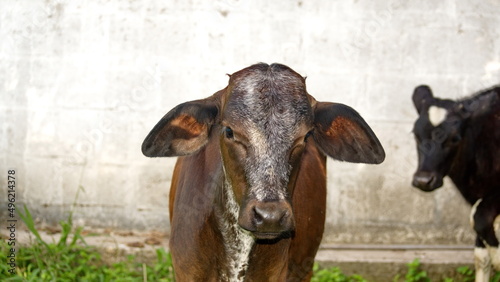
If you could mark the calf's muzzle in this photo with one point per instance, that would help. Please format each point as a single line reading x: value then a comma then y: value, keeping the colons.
x: 267, y: 220
x: 427, y: 181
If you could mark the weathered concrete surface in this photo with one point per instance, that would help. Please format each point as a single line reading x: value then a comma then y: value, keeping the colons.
x: 82, y: 83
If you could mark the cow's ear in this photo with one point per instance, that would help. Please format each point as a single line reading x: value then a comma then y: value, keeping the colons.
x: 341, y: 133
x: 182, y: 131
x: 422, y: 95
x: 478, y: 106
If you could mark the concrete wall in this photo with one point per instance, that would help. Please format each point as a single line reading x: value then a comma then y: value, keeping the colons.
x: 83, y: 82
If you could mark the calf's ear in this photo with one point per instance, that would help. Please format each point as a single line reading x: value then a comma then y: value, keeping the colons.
x: 341, y: 133
x: 182, y: 131
x: 422, y: 95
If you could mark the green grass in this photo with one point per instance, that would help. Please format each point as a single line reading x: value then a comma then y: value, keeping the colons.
x: 333, y: 274
x: 71, y: 259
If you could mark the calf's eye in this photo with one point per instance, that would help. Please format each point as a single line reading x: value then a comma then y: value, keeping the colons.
x: 307, y: 135
x: 229, y: 133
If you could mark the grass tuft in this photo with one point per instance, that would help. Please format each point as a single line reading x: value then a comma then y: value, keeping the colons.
x: 71, y: 259
x: 333, y: 274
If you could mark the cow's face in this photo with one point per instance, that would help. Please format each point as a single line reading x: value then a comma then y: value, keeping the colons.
x: 439, y: 133
x: 266, y: 119
x: 263, y: 121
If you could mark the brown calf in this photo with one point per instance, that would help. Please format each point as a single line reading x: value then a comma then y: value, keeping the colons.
x: 248, y: 194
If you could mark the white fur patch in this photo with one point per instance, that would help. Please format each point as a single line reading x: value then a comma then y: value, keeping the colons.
x: 237, y: 242
x: 482, y: 263
x: 485, y: 257
x: 264, y: 166
x: 495, y: 257
x: 473, y: 212
x: 437, y: 115
x: 257, y: 139
x: 495, y: 252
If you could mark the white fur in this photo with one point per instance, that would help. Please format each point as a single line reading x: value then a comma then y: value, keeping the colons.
x: 270, y: 128
x: 257, y: 139
x: 437, y: 115
x: 495, y: 252
x: 473, y: 212
x: 237, y: 242
x: 485, y: 258
x: 264, y: 167
x: 483, y: 265
x: 495, y: 257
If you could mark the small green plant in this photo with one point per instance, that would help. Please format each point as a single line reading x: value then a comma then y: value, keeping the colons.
x: 333, y: 274
x: 467, y: 274
x: 415, y: 273
x: 162, y: 270
x: 496, y: 277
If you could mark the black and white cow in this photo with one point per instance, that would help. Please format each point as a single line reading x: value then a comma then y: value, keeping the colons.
x: 461, y: 139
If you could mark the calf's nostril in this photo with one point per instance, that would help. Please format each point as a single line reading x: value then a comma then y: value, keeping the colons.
x: 284, y: 217
x: 430, y: 180
x: 258, y: 216
x: 420, y: 180
x: 267, y: 215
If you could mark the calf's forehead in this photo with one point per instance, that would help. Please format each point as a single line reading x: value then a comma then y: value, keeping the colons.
x: 268, y: 97
x: 437, y: 114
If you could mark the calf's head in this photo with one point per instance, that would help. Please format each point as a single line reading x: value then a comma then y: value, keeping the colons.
x: 439, y: 132
x: 263, y: 121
